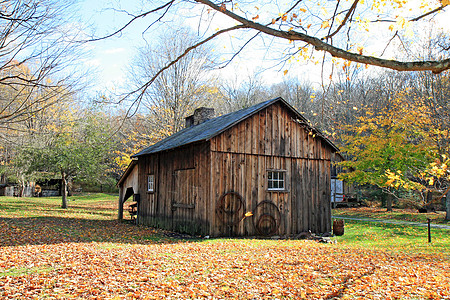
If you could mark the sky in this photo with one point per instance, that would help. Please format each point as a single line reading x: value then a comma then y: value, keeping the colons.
x: 111, y: 57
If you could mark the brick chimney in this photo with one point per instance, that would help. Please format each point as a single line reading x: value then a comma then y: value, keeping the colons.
x: 200, y: 115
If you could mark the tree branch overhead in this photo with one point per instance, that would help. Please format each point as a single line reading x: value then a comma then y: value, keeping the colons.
x: 321, y: 45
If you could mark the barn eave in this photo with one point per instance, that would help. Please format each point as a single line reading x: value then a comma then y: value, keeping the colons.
x: 214, y: 127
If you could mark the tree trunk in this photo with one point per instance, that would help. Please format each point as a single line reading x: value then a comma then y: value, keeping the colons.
x: 22, y: 189
x: 389, y: 202
x: 447, y: 205
x: 429, y: 197
x: 22, y: 185
x: 64, y: 189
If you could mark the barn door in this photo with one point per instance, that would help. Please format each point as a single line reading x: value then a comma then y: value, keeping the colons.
x: 184, y: 199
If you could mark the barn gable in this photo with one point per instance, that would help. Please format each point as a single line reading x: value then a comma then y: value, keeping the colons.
x: 265, y: 159
x: 211, y: 128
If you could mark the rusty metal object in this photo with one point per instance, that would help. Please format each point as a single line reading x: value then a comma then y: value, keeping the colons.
x: 230, y: 208
x: 266, y: 218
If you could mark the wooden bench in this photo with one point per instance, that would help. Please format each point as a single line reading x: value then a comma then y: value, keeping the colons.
x: 132, y: 209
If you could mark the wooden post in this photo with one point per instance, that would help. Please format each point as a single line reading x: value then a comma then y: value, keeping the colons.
x: 429, y: 230
x: 120, y: 212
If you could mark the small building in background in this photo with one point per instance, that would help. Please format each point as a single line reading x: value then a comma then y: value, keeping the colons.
x: 262, y: 170
x: 342, y: 193
x: 14, y: 190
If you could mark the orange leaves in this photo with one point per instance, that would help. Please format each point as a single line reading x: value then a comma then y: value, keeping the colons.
x: 223, y: 269
x: 360, y: 50
x: 325, y: 24
x: 105, y: 259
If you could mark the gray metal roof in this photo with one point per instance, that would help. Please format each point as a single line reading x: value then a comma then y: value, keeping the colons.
x: 214, y: 127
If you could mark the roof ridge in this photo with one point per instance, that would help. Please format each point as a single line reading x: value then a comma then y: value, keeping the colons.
x: 215, y: 126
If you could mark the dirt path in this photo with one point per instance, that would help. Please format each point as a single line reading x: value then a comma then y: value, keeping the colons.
x: 396, y: 222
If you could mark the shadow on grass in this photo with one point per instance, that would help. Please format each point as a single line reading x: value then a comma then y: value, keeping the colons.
x: 20, y: 206
x: 50, y: 210
x: 54, y: 230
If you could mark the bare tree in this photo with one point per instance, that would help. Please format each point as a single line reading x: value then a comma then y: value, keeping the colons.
x: 36, y: 44
x: 178, y: 90
x: 237, y: 93
x: 297, y: 93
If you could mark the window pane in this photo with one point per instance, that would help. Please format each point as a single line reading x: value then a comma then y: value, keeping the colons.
x: 275, y: 180
x: 150, y: 182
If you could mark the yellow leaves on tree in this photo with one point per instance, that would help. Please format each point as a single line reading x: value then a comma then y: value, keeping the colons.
x: 389, y: 146
x: 360, y: 50
x: 325, y: 24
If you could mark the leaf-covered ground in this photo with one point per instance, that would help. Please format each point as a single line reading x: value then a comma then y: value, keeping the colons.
x: 99, y: 258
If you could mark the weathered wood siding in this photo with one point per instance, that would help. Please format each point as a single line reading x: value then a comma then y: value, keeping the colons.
x: 132, y: 180
x: 180, y: 200
x: 273, y: 139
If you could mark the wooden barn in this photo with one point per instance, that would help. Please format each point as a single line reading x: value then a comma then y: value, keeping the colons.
x: 262, y: 170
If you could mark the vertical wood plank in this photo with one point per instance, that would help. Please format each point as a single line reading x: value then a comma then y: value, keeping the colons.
x: 306, y: 195
x: 261, y: 131
x: 274, y: 140
x: 248, y: 191
x: 287, y: 201
x: 248, y: 135
x: 255, y: 134
x: 255, y: 187
x: 268, y: 137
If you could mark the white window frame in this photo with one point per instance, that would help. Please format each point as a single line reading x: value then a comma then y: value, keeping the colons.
x: 274, y: 179
x: 150, y: 183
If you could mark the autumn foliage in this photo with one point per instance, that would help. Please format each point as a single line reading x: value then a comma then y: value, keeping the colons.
x: 220, y: 269
x: 95, y: 257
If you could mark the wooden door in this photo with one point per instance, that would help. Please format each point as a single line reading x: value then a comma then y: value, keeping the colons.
x: 184, y: 199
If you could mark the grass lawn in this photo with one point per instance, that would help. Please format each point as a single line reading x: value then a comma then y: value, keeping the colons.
x: 402, y: 238
x: 395, y: 214
x: 395, y: 238
x: 83, y: 252
x: 86, y: 206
